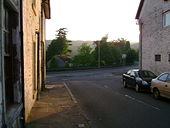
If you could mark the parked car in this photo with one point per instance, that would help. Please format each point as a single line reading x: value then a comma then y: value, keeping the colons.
x: 160, y: 86
x: 139, y: 79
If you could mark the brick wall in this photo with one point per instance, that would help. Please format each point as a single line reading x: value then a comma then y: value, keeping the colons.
x: 155, y: 37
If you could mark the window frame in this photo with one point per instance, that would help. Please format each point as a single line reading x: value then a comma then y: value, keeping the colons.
x: 8, y: 57
x: 164, y: 18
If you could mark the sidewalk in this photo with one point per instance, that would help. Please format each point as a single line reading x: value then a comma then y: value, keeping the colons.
x: 57, y: 109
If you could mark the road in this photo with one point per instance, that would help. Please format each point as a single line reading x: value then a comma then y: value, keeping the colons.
x: 108, y: 105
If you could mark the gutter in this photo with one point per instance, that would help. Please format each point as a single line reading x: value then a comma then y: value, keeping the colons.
x: 139, y: 9
x: 47, y: 9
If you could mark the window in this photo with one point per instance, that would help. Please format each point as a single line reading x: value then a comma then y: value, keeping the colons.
x: 157, y: 57
x: 166, y: 18
x: 146, y: 74
x: 128, y: 72
x: 169, y: 57
x: 168, y: 79
x: 11, y: 66
x: 132, y: 73
x: 163, y: 77
x: 8, y: 59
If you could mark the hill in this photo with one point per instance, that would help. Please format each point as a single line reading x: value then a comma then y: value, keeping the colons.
x: 134, y: 45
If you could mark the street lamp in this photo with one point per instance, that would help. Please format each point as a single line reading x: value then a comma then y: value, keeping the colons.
x: 98, y: 54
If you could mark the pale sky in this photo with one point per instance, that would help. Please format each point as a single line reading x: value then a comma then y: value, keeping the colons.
x: 92, y: 19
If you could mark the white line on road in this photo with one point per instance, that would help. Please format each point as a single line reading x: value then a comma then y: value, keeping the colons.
x: 105, y: 86
x: 139, y: 101
x: 70, y: 93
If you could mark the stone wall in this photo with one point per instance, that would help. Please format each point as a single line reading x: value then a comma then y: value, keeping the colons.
x: 155, y: 37
x: 31, y: 28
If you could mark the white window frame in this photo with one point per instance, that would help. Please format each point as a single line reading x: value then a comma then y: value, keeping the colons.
x: 164, y: 18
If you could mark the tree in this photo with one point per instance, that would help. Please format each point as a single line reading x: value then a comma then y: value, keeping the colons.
x: 132, y: 55
x: 109, y: 54
x: 122, y: 44
x: 58, y: 46
x: 84, y: 57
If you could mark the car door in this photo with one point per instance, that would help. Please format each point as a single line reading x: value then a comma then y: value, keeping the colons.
x: 162, y: 84
x: 132, y: 79
x: 127, y: 77
x: 168, y: 85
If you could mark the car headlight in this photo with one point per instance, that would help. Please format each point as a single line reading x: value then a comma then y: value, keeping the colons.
x: 144, y: 82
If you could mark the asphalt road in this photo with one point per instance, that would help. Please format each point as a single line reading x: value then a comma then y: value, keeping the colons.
x: 108, y: 105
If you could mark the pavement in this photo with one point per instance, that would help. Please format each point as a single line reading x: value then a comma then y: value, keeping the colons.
x: 57, y: 108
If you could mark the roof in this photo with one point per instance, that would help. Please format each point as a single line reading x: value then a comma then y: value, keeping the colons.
x: 139, y: 9
x: 47, y: 9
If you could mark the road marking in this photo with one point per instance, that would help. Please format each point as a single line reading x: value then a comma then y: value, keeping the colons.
x: 70, y: 93
x: 139, y: 101
x: 105, y: 86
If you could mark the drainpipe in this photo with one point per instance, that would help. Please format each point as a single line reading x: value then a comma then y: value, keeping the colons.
x: 140, y: 42
x: 38, y: 65
x: 22, y: 62
x: 1, y: 66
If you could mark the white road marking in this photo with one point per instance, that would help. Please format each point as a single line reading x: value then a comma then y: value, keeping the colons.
x: 70, y: 93
x: 105, y: 86
x: 139, y: 101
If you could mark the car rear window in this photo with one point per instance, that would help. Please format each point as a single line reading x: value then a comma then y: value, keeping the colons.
x: 146, y: 74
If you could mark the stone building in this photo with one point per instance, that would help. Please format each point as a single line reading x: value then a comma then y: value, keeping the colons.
x: 34, y: 13
x: 154, y: 22
x: 22, y: 58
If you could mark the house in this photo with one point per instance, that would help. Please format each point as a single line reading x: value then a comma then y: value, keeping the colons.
x: 22, y: 58
x: 34, y: 13
x: 154, y: 23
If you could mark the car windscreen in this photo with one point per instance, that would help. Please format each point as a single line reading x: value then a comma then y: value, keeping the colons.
x: 146, y: 74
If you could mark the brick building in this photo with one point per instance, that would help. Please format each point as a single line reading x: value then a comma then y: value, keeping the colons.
x: 22, y: 58
x: 154, y: 22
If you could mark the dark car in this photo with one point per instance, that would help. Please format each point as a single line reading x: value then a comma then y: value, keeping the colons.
x: 139, y: 79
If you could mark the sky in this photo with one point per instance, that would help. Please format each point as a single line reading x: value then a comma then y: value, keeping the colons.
x: 93, y: 19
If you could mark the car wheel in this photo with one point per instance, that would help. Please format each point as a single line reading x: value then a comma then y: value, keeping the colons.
x: 137, y: 88
x: 156, y: 94
x: 124, y: 84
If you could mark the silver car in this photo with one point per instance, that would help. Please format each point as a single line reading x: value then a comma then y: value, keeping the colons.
x: 160, y: 86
